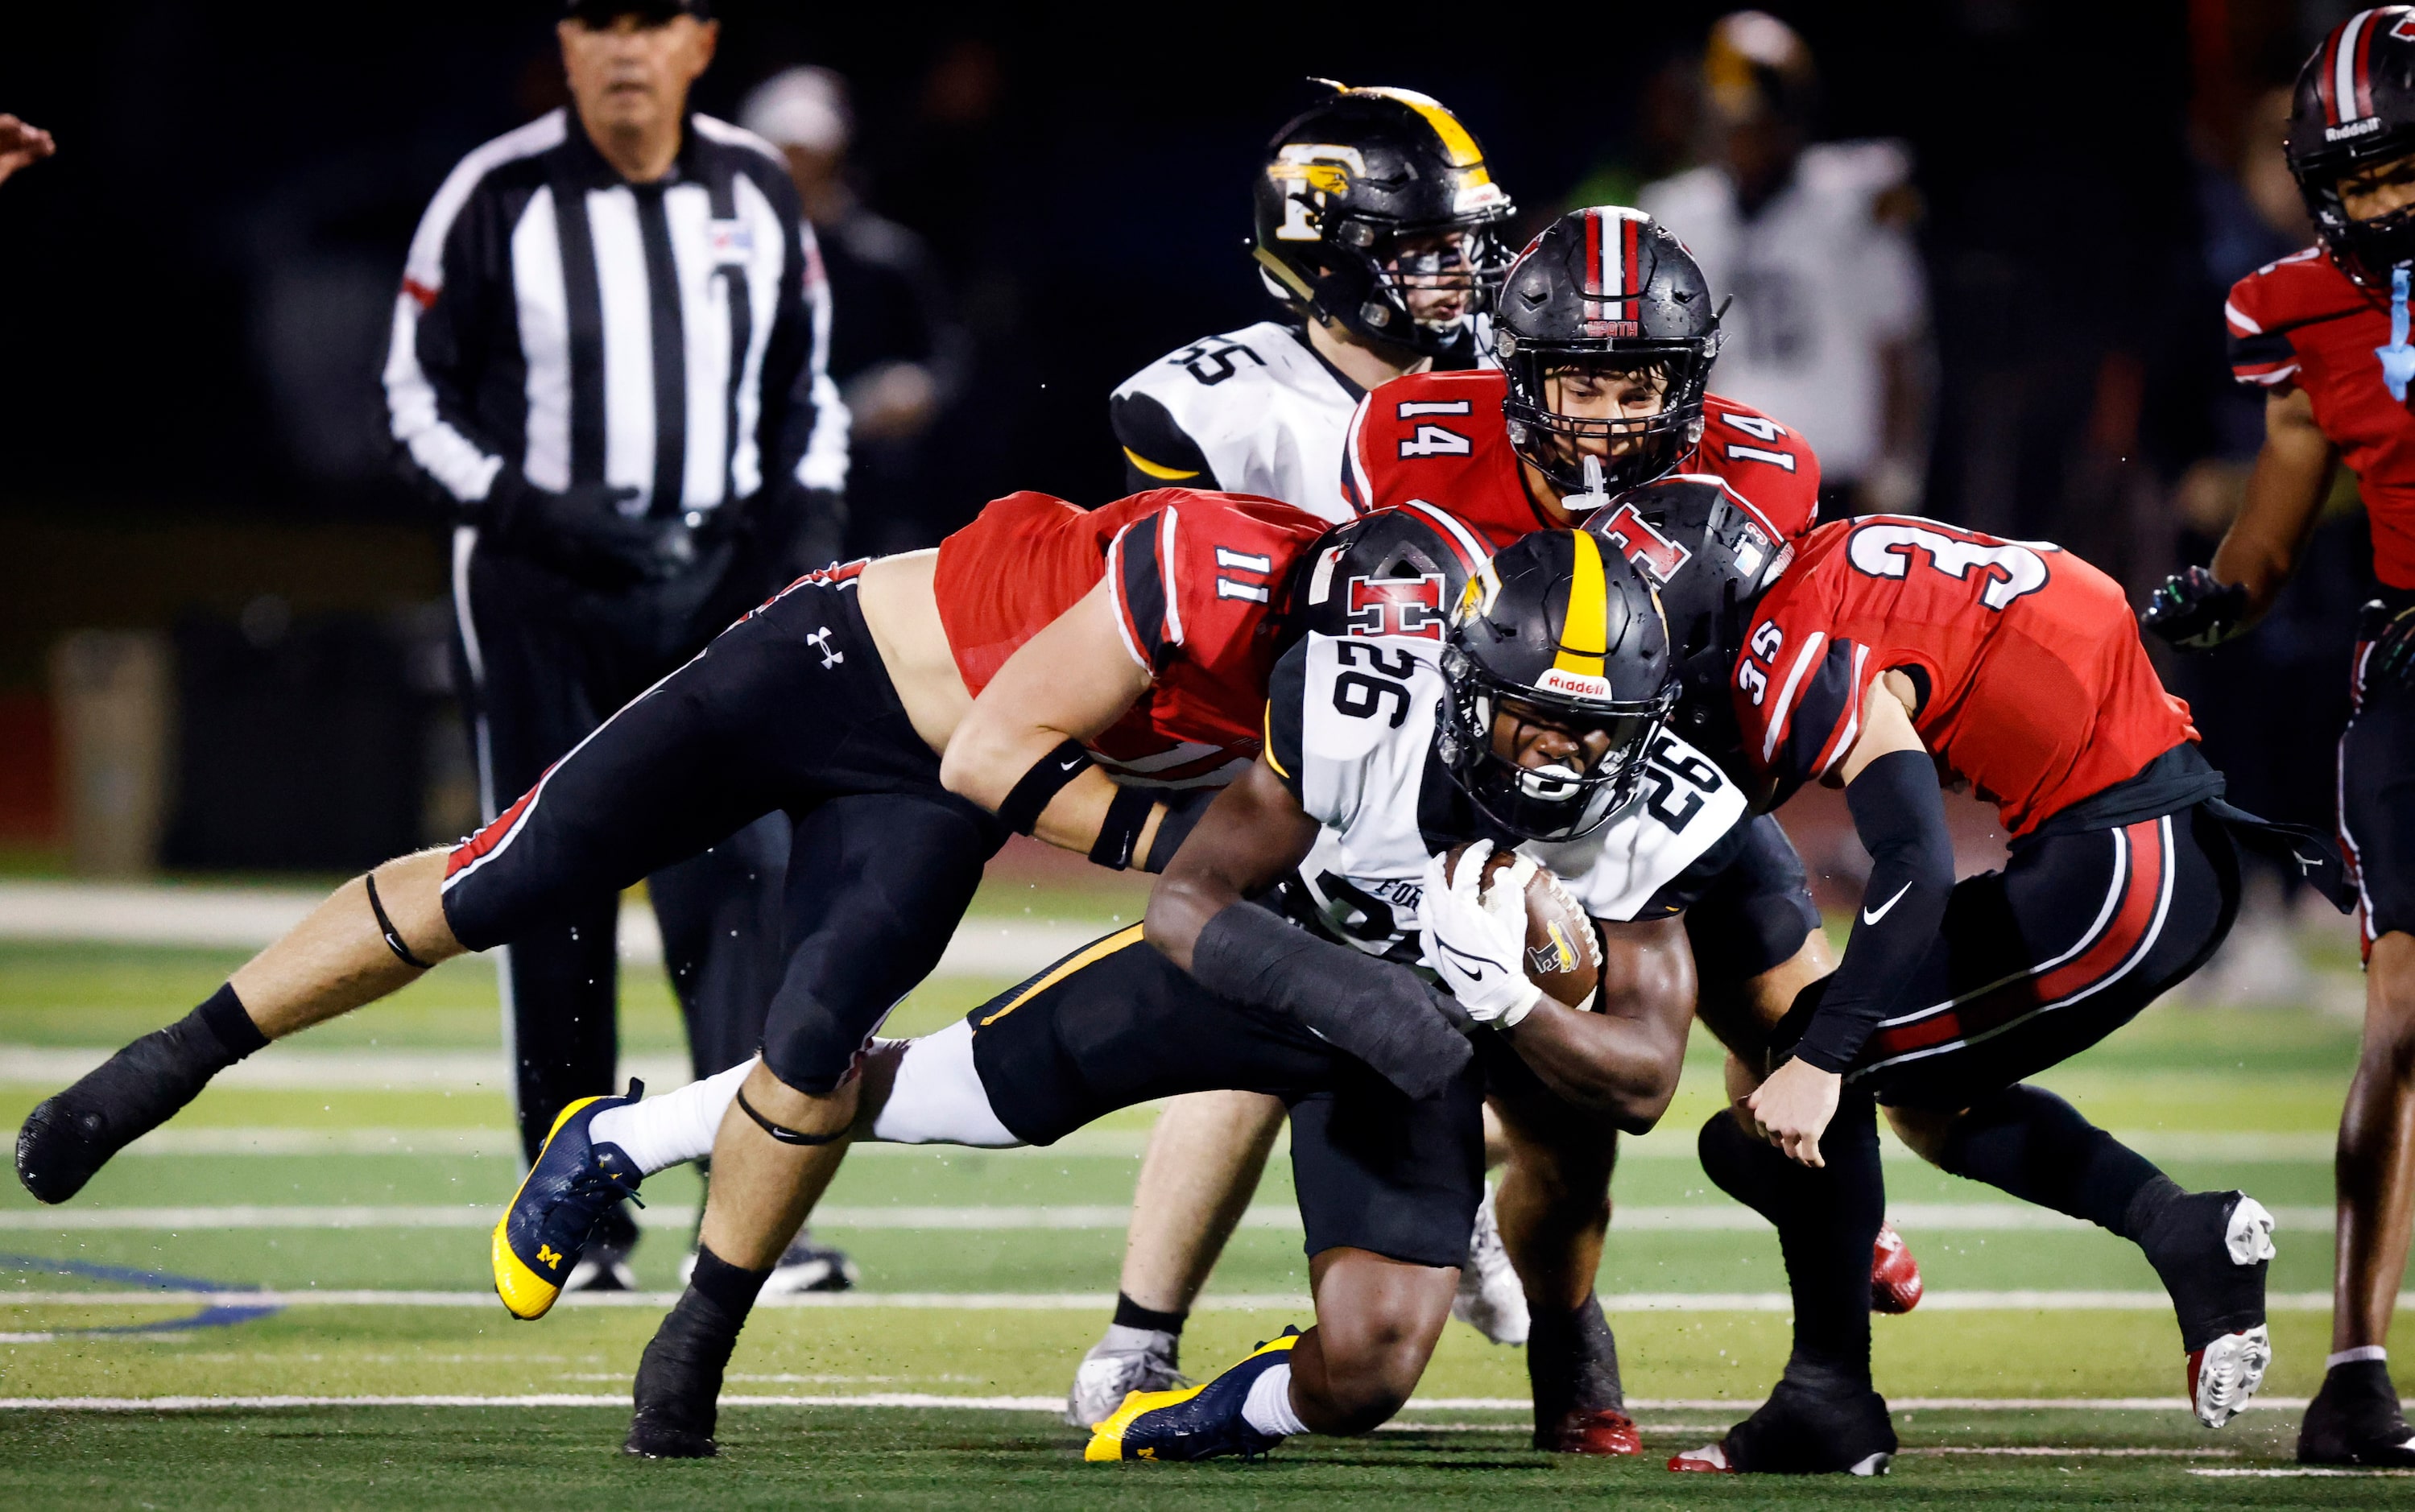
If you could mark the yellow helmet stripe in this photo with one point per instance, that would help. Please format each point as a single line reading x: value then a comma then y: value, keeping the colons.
x: 1588, y: 617
x: 1165, y: 475
x: 1455, y: 140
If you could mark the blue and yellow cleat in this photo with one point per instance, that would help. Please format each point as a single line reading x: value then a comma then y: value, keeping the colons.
x: 1195, y: 1422
x: 565, y: 1195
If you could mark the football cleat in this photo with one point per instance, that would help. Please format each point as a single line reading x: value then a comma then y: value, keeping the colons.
x: 539, y: 1248
x: 1598, y: 1430
x: 678, y: 1389
x: 1491, y: 1299
x: 1195, y: 1422
x: 67, y: 1138
x: 2212, y: 1249
x: 1114, y: 1370
x: 2355, y: 1421
x: 1894, y: 1276
x: 1815, y: 1423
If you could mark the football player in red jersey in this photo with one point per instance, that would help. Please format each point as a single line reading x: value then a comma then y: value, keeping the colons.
x: 835, y: 701
x: 1606, y: 331
x: 1894, y: 651
x: 2324, y: 333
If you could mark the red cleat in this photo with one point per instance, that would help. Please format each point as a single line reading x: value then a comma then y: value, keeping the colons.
x: 1710, y: 1458
x: 1894, y: 1276
x: 1604, y: 1430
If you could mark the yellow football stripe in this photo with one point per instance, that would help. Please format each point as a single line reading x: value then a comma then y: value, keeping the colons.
x: 1455, y: 140
x: 1169, y: 475
x: 1095, y: 952
x: 1587, y: 623
x: 1268, y: 748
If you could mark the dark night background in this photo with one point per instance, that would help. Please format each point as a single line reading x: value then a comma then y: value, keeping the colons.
x: 194, y: 294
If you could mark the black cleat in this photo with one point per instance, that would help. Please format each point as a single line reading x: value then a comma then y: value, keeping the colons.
x: 2355, y: 1421
x: 679, y: 1382
x: 2212, y: 1249
x: 70, y: 1137
x: 1817, y: 1422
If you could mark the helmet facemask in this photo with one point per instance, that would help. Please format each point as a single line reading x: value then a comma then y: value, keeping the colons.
x: 1386, y: 267
x: 1632, y: 450
x: 1558, y: 802
x: 2369, y: 248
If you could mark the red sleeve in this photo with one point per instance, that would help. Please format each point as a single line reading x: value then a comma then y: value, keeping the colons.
x: 1799, y: 701
x: 1195, y: 581
x: 1768, y: 463
x: 2259, y: 356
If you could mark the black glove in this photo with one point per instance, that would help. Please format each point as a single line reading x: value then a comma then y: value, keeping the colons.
x: 2392, y: 645
x: 2194, y: 612
x: 582, y: 531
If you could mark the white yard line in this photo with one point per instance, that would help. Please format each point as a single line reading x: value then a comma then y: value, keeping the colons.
x: 1778, y: 1302
x: 1052, y: 1404
x: 1702, y: 1218
x: 246, y: 919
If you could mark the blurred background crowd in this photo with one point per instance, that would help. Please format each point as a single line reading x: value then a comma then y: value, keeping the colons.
x: 1978, y: 250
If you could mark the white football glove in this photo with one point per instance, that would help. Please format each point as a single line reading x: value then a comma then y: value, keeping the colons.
x: 1476, y: 938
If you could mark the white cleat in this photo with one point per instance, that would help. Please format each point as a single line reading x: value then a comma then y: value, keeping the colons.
x: 2224, y: 1376
x: 1492, y: 1300
x: 1126, y: 1361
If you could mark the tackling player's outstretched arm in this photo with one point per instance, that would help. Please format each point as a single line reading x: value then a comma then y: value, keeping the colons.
x: 1060, y: 688
x: 1251, y: 837
x: 1891, y: 788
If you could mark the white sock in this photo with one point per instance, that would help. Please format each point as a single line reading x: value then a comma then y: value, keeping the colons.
x: 2350, y: 1356
x: 677, y: 1126
x: 1268, y: 1407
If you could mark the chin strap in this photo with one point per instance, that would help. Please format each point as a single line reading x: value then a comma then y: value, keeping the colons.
x: 2398, y: 358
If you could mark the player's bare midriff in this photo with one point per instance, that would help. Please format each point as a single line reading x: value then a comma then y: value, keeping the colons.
x: 902, y: 611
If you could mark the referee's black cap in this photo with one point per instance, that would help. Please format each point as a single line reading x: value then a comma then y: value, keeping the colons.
x: 605, y: 12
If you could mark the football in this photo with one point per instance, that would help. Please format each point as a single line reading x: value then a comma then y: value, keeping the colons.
x: 1563, y: 953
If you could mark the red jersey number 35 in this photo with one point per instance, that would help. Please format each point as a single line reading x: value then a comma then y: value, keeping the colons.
x: 2007, y: 570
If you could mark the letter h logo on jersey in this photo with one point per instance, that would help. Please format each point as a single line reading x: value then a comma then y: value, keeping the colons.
x: 1613, y: 273
x: 1397, y: 607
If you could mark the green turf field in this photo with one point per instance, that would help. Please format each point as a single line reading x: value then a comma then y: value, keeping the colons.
x: 365, y: 1161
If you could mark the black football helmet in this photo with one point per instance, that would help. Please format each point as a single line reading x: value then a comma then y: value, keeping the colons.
x: 1711, y: 556
x: 2354, y: 106
x: 1558, y: 631
x: 1396, y: 572
x: 1346, y: 182
x: 1609, y: 288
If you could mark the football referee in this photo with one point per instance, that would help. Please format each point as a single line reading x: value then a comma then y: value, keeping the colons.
x: 607, y: 364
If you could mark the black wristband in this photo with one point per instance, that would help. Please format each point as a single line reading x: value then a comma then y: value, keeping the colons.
x: 1120, y: 832
x: 1047, y: 777
x: 1182, y: 811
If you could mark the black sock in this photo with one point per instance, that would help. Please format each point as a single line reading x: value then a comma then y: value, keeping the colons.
x: 2034, y: 1144
x: 1827, y: 1222
x: 1131, y: 1315
x: 223, y: 1015
x: 1572, y: 1362
x: 730, y: 1289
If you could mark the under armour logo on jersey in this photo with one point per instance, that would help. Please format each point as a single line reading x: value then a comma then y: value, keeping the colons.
x: 2398, y: 358
x: 819, y: 640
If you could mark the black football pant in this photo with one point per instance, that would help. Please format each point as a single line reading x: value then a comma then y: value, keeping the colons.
x: 545, y: 662
x: 2376, y: 786
x: 2035, y: 964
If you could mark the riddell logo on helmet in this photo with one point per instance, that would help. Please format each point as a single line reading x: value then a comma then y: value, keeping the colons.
x: 2353, y: 129
x: 1614, y: 328
x: 1583, y: 684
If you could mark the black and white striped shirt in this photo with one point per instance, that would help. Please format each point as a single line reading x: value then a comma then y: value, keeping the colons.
x: 559, y: 323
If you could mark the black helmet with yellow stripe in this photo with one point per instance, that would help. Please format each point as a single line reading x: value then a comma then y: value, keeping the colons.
x: 1367, y: 189
x: 1557, y: 663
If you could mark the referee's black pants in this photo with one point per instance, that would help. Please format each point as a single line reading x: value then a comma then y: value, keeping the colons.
x: 542, y: 660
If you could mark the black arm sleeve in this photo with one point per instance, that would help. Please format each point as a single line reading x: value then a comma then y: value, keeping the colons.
x: 1900, y: 816
x: 1380, y: 1012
